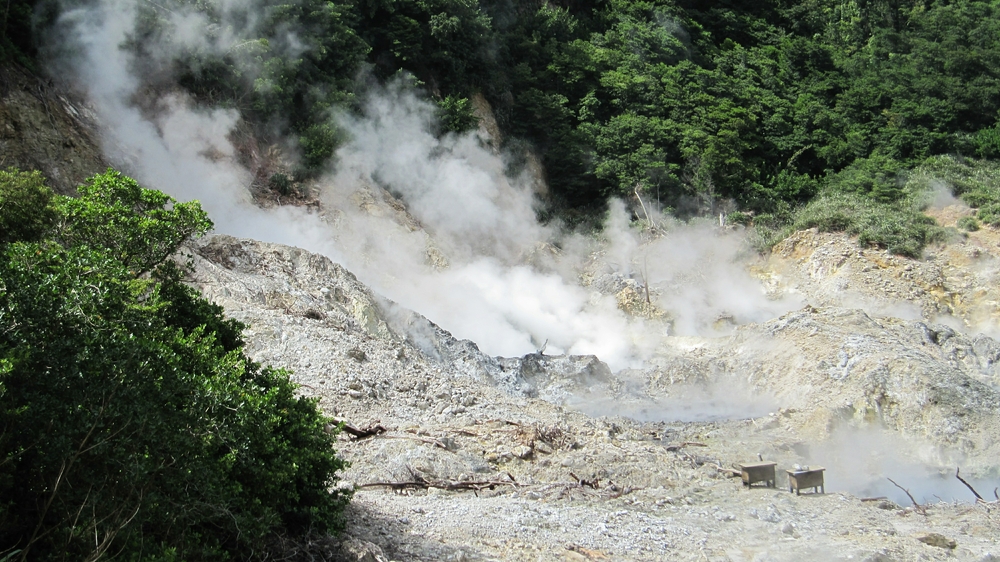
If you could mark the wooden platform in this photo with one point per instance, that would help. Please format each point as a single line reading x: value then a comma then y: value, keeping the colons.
x: 758, y: 472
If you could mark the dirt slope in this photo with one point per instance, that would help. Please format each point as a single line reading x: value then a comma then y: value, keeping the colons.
x: 45, y: 128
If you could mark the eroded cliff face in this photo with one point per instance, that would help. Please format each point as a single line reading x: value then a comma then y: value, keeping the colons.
x: 43, y: 127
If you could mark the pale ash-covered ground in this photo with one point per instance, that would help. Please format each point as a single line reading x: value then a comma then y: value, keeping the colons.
x: 839, y: 382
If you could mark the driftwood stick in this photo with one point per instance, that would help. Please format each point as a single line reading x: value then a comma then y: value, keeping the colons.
x: 358, y: 433
x: 969, y: 486
x: 920, y: 509
x: 435, y: 442
x: 678, y: 446
x: 584, y: 482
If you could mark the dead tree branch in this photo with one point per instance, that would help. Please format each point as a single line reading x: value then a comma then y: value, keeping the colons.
x: 969, y: 486
x: 919, y: 508
x: 731, y: 472
x: 584, y: 482
x: 644, y: 211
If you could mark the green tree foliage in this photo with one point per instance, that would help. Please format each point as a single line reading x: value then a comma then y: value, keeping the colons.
x: 697, y: 105
x: 456, y: 115
x: 283, y: 63
x: 444, y: 43
x: 131, y: 422
x: 26, y: 210
x: 138, y: 227
x: 18, y: 42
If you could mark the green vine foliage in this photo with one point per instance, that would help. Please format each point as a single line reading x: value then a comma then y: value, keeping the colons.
x: 131, y: 421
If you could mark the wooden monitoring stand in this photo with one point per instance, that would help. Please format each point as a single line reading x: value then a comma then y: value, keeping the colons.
x: 811, y: 478
x: 758, y: 472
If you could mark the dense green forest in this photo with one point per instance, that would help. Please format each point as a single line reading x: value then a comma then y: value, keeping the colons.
x: 752, y: 108
x: 132, y: 424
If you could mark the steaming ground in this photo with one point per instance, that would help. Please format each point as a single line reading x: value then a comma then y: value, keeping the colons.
x: 887, y: 372
x: 455, y: 416
x: 468, y: 253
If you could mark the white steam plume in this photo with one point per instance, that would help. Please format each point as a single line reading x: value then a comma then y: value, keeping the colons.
x: 862, y: 460
x: 183, y: 151
x: 476, y: 261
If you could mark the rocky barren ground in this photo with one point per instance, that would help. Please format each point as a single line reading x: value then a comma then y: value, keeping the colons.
x: 486, y: 458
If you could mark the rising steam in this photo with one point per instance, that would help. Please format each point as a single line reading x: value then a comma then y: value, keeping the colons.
x: 470, y: 255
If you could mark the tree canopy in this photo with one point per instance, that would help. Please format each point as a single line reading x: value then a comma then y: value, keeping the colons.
x: 131, y: 421
x: 700, y: 106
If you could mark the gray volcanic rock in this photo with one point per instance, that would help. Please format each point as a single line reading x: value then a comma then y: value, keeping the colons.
x: 920, y: 379
x: 543, y: 480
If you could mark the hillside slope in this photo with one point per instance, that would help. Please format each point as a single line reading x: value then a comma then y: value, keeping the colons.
x: 46, y: 128
x: 819, y: 384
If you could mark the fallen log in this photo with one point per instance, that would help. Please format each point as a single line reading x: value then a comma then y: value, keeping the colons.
x: 422, y: 484
x: 428, y: 440
x: 679, y: 446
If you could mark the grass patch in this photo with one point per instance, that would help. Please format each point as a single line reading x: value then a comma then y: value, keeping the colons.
x: 975, y: 182
x: 899, y: 227
x: 883, y: 205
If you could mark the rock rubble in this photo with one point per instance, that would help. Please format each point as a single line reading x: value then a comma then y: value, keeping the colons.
x: 637, y: 482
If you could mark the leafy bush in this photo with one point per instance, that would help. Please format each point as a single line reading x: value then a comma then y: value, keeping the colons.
x: 280, y: 183
x: 456, y: 115
x: 26, y: 211
x: 899, y: 227
x: 989, y: 214
x: 131, y: 421
x: 318, y: 144
x: 968, y: 224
